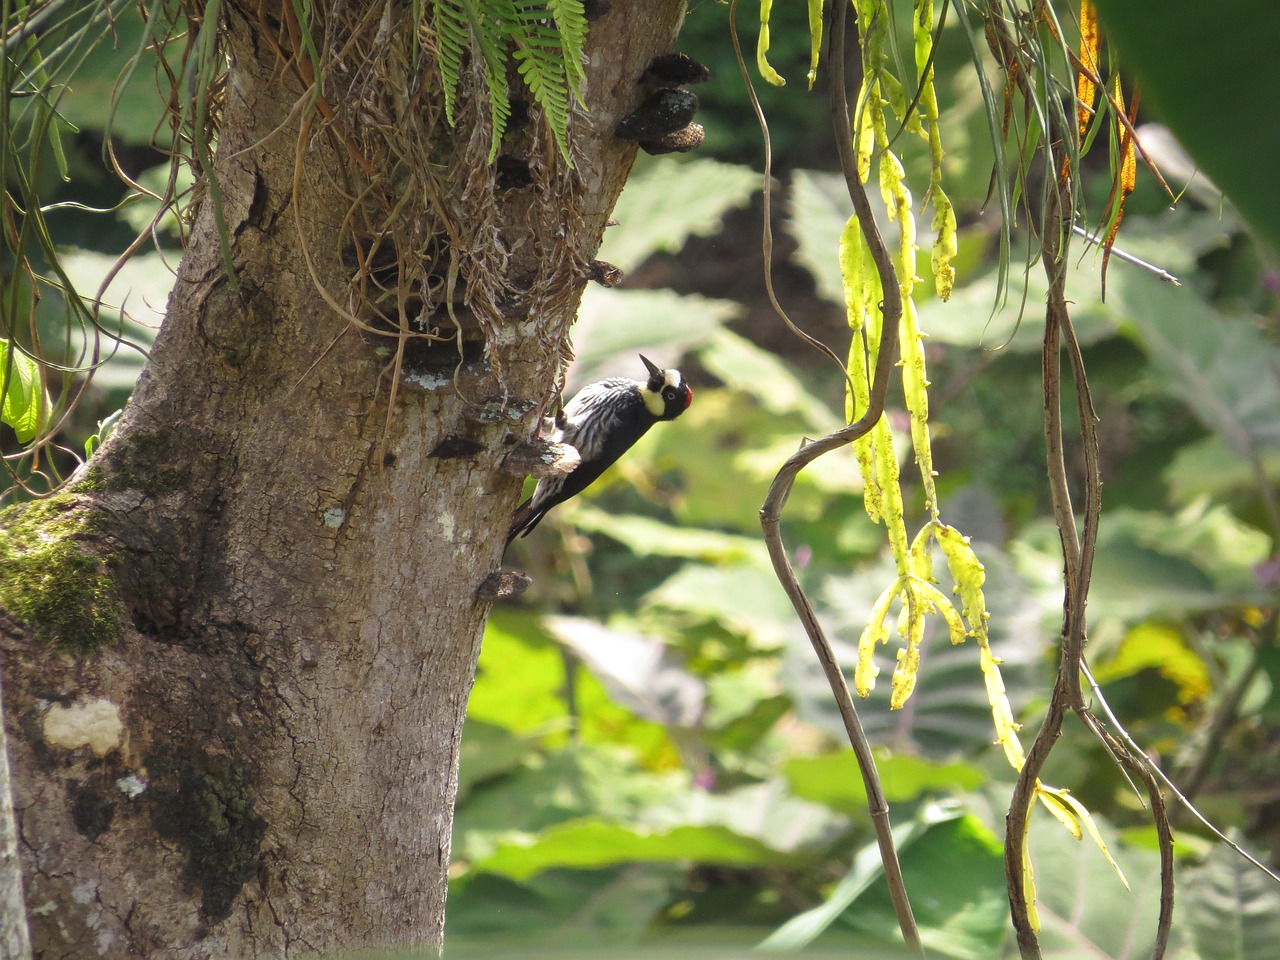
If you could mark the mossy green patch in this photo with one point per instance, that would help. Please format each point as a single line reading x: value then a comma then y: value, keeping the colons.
x: 51, y: 579
x: 93, y: 481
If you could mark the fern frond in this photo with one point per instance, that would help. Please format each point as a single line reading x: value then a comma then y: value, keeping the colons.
x: 542, y: 62
x: 571, y: 22
x: 545, y: 38
x: 453, y: 36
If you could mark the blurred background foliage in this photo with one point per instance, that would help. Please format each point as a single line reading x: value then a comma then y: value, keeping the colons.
x: 651, y: 759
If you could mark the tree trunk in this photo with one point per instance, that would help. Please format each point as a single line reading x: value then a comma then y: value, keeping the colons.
x: 237, y: 653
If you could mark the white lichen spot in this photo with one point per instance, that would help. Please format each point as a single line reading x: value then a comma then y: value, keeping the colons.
x: 83, y: 893
x: 446, y: 525
x: 132, y: 786
x: 428, y: 381
x: 87, y: 723
x: 334, y: 517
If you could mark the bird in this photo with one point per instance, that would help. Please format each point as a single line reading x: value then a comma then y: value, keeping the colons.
x: 603, y: 421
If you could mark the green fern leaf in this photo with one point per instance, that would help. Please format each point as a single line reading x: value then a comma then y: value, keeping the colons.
x: 545, y: 38
x: 571, y: 22
x: 453, y: 36
x: 542, y: 64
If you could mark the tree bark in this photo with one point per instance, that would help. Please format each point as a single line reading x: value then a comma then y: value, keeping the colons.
x: 234, y: 714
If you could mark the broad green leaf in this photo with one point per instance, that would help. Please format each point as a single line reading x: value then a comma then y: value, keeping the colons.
x: 640, y: 673
x: 646, y: 537
x: 834, y: 780
x: 488, y: 752
x: 741, y: 365
x: 744, y: 599
x: 1082, y: 904
x: 520, y: 678
x: 1210, y: 469
x: 615, y: 325
x: 954, y: 874
x: 1151, y: 563
x: 1232, y: 908
x: 666, y: 201
x: 1221, y: 366
x: 867, y: 869
x: 1163, y: 648
x: 520, y: 686
x: 25, y: 406
x: 762, y: 811
x: 561, y: 911
x: 552, y: 788
x: 591, y: 843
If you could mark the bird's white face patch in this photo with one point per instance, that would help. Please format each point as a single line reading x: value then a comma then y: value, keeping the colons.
x: 653, y: 401
x: 671, y: 379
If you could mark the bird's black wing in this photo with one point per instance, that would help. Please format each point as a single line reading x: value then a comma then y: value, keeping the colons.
x: 603, y: 421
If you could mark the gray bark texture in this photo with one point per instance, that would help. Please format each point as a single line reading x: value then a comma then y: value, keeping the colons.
x: 277, y: 562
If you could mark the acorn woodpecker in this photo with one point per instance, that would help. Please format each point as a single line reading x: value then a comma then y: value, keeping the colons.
x: 602, y: 422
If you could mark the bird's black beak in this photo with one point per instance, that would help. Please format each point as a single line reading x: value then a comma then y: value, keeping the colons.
x: 656, y: 374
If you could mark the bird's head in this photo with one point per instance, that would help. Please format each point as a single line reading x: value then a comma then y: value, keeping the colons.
x: 666, y: 395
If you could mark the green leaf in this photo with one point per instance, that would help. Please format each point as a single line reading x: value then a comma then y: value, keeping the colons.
x: 640, y: 673
x: 1081, y: 901
x: 488, y: 752
x: 1152, y: 564
x: 26, y: 405
x: 570, y: 913
x: 592, y: 843
x: 614, y: 325
x: 954, y: 875
x: 744, y: 599
x: 867, y: 869
x: 1221, y: 366
x: 740, y: 364
x: 1210, y: 469
x: 1232, y: 907
x: 520, y: 678
x: 1160, y: 647
x: 646, y: 537
x: 833, y: 779
x: 666, y: 201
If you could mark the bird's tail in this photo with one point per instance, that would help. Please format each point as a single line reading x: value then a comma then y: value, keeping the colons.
x: 524, y: 520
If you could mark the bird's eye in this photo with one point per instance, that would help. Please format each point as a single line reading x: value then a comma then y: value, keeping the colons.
x: 669, y: 393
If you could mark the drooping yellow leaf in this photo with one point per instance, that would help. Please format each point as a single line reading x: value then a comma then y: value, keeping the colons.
x: 1086, y: 89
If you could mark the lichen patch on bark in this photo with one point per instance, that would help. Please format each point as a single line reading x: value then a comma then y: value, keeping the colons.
x: 94, y: 724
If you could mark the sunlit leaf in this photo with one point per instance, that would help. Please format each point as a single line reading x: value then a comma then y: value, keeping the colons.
x: 646, y: 537
x: 833, y: 779
x: 592, y: 843
x: 666, y: 201
x: 615, y: 325
x: 640, y: 673
x: 743, y: 598
x: 25, y: 405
